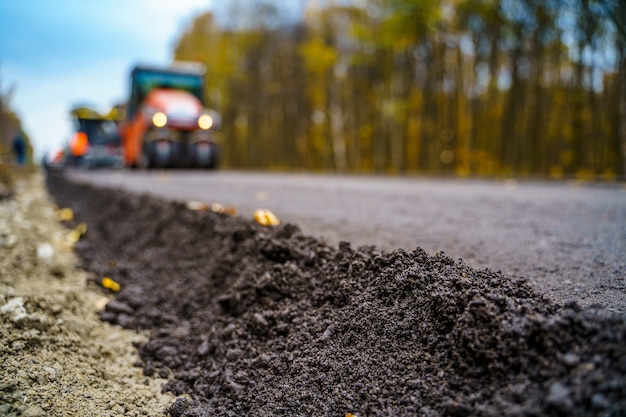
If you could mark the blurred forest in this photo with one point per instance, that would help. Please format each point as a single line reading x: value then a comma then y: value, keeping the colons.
x: 462, y: 87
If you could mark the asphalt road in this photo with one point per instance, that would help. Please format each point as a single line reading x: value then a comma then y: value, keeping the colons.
x: 567, y: 238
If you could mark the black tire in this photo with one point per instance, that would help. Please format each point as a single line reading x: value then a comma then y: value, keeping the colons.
x: 154, y: 157
x: 183, y: 155
x: 144, y: 160
x: 202, y: 155
x: 215, y: 156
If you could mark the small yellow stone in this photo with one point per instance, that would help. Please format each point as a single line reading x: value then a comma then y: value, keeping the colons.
x: 197, y: 206
x: 81, y: 228
x: 265, y: 217
x: 73, y: 236
x: 65, y: 214
x: 110, y: 284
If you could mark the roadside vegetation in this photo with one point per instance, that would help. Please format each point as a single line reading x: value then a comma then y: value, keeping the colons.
x: 490, y: 88
x: 10, y: 127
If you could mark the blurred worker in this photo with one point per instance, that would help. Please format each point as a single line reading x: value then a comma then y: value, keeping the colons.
x: 19, y: 147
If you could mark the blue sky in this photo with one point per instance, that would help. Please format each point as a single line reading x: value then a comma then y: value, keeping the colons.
x: 65, y: 52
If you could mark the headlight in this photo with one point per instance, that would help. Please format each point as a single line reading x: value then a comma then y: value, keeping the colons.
x: 159, y: 119
x: 205, y: 122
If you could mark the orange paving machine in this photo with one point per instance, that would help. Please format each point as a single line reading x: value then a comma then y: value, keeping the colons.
x: 166, y: 123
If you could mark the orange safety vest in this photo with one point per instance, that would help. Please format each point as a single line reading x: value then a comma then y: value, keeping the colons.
x: 79, y: 144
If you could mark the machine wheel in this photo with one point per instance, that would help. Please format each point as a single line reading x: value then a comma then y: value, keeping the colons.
x: 215, y: 156
x: 143, y: 162
x: 155, y: 154
x: 183, y: 155
x: 203, y: 155
x: 162, y: 154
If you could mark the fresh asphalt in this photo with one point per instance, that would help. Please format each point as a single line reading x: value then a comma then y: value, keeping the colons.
x: 568, y: 238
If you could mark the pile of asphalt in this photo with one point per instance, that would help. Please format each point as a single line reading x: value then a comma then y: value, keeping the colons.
x: 269, y: 321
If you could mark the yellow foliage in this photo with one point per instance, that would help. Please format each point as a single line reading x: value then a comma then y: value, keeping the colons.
x: 556, y: 172
x: 585, y: 174
x: 610, y: 175
x: 405, y: 75
x: 318, y: 57
x: 567, y: 157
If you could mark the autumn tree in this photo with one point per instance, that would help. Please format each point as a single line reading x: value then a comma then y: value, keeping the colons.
x: 465, y: 87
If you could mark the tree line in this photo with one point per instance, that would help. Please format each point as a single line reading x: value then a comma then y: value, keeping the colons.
x: 463, y: 87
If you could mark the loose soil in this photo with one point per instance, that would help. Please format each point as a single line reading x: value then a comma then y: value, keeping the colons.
x: 246, y: 319
x: 56, y: 357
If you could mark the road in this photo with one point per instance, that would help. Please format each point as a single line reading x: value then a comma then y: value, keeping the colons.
x: 567, y: 238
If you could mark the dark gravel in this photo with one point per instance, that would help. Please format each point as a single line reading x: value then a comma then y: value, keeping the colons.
x: 269, y: 321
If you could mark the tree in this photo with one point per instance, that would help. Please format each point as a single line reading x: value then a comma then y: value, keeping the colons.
x: 485, y: 87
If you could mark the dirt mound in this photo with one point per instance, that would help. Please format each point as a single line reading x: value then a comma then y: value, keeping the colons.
x: 268, y: 321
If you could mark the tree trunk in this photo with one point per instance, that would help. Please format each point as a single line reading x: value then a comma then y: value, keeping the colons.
x: 337, y: 126
x: 621, y: 130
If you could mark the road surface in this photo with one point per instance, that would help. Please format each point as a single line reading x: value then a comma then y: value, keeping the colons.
x: 567, y: 238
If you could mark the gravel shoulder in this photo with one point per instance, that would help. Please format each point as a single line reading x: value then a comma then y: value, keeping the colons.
x: 56, y: 357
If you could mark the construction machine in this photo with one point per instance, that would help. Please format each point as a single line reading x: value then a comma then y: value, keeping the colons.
x: 95, y: 141
x: 167, y: 124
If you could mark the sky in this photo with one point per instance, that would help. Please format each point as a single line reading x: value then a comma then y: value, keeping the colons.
x: 56, y: 54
